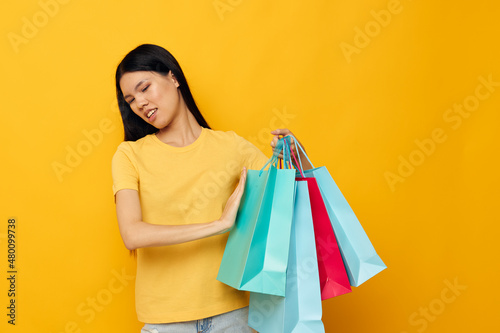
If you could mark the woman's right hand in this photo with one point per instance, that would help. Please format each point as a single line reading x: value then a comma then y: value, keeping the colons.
x: 228, y: 216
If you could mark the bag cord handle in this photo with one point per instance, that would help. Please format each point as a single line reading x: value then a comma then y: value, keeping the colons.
x: 273, y: 161
x: 299, y: 163
x: 284, y: 146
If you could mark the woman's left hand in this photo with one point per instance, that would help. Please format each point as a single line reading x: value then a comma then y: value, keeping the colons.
x: 280, y: 133
x: 228, y: 217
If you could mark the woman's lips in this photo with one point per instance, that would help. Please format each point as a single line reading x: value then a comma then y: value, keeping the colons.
x: 151, y: 113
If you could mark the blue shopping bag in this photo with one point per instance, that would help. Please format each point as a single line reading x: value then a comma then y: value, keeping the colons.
x: 300, y: 310
x: 256, y: 253
x: 359, y: 256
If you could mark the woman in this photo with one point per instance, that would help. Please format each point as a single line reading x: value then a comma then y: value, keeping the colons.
x: 177, y: 187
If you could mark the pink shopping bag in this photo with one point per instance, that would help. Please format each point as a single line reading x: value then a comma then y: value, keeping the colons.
x: 332, y: 273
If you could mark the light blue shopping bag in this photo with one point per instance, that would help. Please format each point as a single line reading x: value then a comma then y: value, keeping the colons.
x: 300, y: 310
x: 256, y: 253
x: 359, y: 256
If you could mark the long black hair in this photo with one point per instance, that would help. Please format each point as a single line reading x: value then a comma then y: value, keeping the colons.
x: 151, y: 58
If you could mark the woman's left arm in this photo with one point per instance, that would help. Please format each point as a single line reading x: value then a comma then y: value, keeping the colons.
x: 279, y: 133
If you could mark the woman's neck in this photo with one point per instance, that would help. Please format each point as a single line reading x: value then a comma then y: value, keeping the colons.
x: 182, y: 132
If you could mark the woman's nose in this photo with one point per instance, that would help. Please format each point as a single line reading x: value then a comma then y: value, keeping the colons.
x: 141, y: 102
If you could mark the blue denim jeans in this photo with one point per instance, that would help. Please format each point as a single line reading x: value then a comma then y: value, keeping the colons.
x: 231, y: 322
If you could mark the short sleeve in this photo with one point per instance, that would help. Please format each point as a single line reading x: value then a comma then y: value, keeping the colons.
x: 124, y: 172
x: 253, y: 158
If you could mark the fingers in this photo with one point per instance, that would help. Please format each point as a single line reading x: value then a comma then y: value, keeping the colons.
x: 238, y: 192
x: 279, y: 133
x: 243, y: 179
x: 274, y: 141
x: 230, y: 210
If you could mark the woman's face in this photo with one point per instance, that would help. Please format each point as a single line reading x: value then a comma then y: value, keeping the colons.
x: 152, y: 96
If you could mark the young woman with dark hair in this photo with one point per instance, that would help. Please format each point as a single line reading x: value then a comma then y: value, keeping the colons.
x: 154, y: 59
x: 178, y: 186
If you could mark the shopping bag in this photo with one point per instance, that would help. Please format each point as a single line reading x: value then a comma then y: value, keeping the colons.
x: 360, y: 258
x: 256, y: 253
x: 300, y: 310
x: 332, y: 272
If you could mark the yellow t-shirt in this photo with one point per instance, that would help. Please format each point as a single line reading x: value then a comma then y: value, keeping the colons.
x: 183, y: 185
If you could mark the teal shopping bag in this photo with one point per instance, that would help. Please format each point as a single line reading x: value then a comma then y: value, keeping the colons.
x: 360, y: 258
x: 300, y: 310
x: 256, y: 253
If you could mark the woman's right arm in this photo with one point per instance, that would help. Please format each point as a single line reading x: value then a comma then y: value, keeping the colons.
x: 137, y: 233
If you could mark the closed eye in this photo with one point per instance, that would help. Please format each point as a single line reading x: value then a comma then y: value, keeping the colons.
x: 142, y: 90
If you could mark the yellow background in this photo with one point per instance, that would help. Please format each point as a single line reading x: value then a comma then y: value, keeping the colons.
x: 253, y: 65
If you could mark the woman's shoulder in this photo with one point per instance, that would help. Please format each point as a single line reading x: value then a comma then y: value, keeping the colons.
x: 237, y: 144
x: 229, y: 136
x: 131, y: 147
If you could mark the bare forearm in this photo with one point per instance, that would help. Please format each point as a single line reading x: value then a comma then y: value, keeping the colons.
x: 137, y: 233
x: 304, y: 162
x: 141, y: 234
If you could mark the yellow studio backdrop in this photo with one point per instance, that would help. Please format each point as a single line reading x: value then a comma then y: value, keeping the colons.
x: 399, y: 99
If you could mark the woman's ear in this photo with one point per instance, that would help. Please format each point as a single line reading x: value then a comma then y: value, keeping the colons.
x: 174, y: 79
